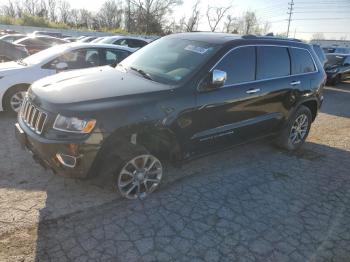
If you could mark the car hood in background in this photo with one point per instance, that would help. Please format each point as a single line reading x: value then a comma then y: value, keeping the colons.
x: 10, y: 68
x: 92, y: 84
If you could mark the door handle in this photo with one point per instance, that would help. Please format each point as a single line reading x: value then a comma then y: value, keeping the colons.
x: 295, y: 83
x: 253, y: 91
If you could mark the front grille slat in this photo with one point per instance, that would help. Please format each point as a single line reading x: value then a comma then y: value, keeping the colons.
x: 34, y: 117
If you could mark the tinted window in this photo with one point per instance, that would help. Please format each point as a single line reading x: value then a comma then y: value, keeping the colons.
x: 133, y: 43
x: 301, y: 61
x: 272, y: 62
x: 239, y: 65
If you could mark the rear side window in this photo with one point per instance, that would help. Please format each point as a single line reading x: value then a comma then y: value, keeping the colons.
x: 272, y: 62
x: 301, y: 61
x: 239, y: 65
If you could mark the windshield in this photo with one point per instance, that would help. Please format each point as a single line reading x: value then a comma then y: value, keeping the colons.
x: 335, y: 59
x: 45, y: 54
x: 170, y: 61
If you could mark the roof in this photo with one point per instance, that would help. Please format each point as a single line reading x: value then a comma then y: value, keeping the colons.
x: 209, y: 37
x: 127, y: 37
x: 98, y: 45
x: 223, y: 38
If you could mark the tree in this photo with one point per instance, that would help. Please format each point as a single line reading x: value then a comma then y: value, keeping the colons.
x: 64, y: 8
x: 148, y: 16
x: 250, y: 23
x: 111, y: 14
x: 30, y: 7
x: 215, y: 15
x: 51, y: 6
x: 318, y: 36
x: 192, y: 22
x: 9, y: 9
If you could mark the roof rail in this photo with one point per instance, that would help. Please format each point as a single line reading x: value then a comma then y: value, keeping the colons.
x: 270, y: 37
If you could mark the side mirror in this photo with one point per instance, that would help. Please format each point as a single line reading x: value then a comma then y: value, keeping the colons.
x: 61, y: 66
x: 347, y: 64
x: 218, y: 79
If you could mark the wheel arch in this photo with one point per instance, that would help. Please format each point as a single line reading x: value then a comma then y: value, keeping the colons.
x: 5, y: 94
x: 313, y: 106
x: 161, y: 142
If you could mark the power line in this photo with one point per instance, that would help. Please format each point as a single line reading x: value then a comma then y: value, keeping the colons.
x: 290, y: 12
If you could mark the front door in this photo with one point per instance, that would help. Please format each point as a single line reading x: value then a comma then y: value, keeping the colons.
x: 250, y: 104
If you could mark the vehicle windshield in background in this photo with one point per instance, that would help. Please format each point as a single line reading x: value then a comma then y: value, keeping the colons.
x: 170, y: 61
x: 335, y: 60
x: 40, y: 56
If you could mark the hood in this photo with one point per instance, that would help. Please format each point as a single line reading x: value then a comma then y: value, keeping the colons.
x: 92, y: 84
x: 10, y: 67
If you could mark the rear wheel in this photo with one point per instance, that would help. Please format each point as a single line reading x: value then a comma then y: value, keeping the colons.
x: 295, y: 133
x: 13, y: 99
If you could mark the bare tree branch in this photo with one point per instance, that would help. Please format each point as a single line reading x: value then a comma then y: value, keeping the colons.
x: 215, y: 15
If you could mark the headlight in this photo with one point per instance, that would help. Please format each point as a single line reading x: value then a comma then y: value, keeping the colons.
x: 335, y: 70
x: 74, y: 125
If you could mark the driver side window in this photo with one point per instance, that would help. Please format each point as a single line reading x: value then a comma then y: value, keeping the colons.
x: 239, y: 65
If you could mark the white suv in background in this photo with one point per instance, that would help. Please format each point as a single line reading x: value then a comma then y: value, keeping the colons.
x: 16, y: 77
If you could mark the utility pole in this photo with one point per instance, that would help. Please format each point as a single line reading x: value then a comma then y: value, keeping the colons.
x: 290, y: 12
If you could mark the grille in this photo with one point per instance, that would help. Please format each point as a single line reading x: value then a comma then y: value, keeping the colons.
x: 33, y: 116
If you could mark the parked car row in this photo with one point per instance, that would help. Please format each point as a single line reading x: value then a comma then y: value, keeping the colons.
x: 21, y: 45
x: 178, y: 97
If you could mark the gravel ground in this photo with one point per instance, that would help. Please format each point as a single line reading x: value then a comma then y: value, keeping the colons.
x: 251, y: 203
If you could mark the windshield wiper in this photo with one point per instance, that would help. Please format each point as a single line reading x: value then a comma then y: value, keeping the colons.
x: 20, y: 61
x: 141, y: 72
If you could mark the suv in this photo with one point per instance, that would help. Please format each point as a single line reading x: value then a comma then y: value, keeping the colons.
x: 181, y: 96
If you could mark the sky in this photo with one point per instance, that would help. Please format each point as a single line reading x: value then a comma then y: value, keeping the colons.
x: 331, y: 17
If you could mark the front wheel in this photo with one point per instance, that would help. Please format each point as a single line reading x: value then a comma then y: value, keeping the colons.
x: 293, y: 136
x: 140, y: 176
x: 14, y: 98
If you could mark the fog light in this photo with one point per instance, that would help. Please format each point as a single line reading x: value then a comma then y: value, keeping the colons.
x: 66, y: 160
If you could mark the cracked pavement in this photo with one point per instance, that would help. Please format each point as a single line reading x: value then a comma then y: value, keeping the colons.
x: 251, y: 203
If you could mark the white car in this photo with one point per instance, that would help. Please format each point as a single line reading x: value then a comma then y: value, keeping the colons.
x: 16, y: 77
x: 129, y: 41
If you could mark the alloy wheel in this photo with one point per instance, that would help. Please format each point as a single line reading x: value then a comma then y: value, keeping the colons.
x: 299, y: 129
x: 140, y: 177
x: 16, y: 100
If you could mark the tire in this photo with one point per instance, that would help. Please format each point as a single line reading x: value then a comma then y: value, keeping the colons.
x: 285, y: 138
x: 13, y: 99
x: 117, y: 169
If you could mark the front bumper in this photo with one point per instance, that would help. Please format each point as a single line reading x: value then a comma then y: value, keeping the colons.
x: 47, y: 152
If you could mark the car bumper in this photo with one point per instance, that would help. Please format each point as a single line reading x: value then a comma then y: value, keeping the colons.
x: 67, y: 159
